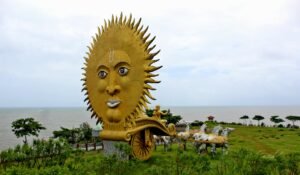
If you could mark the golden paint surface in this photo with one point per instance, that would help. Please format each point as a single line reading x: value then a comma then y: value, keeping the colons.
x: 117, y: 76
x: 124, y: 89
x: 118, y: 70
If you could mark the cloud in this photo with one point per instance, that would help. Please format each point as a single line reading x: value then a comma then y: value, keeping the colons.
x: 213, y: 52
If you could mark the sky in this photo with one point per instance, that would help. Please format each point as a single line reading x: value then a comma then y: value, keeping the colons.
x: 214, y: 53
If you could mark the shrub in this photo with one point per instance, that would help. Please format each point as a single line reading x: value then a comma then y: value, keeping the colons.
x: 197, y: 123
x: 280, y: 126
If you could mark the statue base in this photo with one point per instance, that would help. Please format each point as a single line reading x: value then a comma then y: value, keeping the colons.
x: 111, y: 148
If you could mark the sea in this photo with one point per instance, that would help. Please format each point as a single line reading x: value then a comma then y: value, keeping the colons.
x: 54, y: 118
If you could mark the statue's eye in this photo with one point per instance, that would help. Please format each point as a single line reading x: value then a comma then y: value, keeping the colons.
x: 123, y: 71
x: 102, y: 74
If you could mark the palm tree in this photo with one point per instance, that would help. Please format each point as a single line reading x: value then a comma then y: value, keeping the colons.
x: 245, y: 117
x: 258, y: 118
x: 293, y: 119
x: 275, y: 119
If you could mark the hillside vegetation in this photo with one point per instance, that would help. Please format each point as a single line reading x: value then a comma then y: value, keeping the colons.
x: 252, y: 151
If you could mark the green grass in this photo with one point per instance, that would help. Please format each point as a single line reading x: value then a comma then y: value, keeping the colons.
x: 264, y: 139
x: 253, y: 150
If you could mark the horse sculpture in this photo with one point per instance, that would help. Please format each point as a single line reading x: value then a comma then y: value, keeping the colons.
x: 182, y: 137
x: 165, y: 140
x: 197, y: 135
x: 214, y: 140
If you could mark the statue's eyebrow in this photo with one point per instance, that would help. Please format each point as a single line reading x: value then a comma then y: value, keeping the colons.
x: 101, y: 66
x: 121, y: 63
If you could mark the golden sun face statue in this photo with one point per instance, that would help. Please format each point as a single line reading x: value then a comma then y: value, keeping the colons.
x: 117, y: 71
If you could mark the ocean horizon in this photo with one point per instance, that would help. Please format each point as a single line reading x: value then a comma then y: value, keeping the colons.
x: 71, y: 117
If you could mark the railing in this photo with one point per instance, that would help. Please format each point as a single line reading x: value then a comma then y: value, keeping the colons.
x: 89, y: 146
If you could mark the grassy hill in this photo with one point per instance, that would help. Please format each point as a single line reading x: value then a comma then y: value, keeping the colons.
x: 265, y: 139
x: 252, y: 151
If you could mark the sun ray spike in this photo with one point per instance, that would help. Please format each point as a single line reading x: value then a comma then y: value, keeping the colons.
x: 112, y: 19
x: 142, y: 102
x: 86, y: 99
x: 151, y: 80
x: 144, y: 106
x: 83, y: 89
x: 137, y: 24
x: 116, y: 19
x: 150, y: 41
x: 105, y: 25
x: 140, y: 29
x: 132, y: 24
x: 94, y: 115
x: 94, y: 40
x: 145, y: 39
x: 90, y: 49
x: 89, y: 108
x: 151, y: 48
x: 145, y: 99
x: 124, y: 21
x: 152, y: 55
x: 121, y: 18
x: 129, y: 20
x: 151, y: 75
x: 147, y: 86
x: 146, y: 92
x: 88, y: 54
x: 153, y: 61
x: 143, y: 32
x: 152, y: 68
x: 99, y: 31
x: 86, y: 93
x: 98, y: 121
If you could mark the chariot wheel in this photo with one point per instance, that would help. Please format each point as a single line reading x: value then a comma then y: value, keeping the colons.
x: 142, y: 144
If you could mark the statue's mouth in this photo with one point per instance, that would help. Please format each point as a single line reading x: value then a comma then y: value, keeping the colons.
x: 113, y: 103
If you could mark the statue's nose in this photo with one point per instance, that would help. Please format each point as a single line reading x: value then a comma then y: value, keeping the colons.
x: 113, y: 86
x: 113, y: 89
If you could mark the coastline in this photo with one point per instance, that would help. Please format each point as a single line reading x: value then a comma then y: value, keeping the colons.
x: 55, y: 117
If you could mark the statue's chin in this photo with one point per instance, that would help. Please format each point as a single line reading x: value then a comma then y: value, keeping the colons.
x: 114, y: 115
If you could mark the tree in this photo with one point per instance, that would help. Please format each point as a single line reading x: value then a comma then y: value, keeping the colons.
x: 169, y: 116
x: 197, y: 123
x: 245, y: 117
x: 25, y: 127
x: 293, y: 119
x: 149, y: 112
x: 86, y: 131
x: 71, y: 135
x: 258, y: 118
x: 276, y: 120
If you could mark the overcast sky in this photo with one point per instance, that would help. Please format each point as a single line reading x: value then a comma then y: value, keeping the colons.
x: 217, y: 52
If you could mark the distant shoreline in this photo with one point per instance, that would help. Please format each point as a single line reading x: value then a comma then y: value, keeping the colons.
x: 55, y: 117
